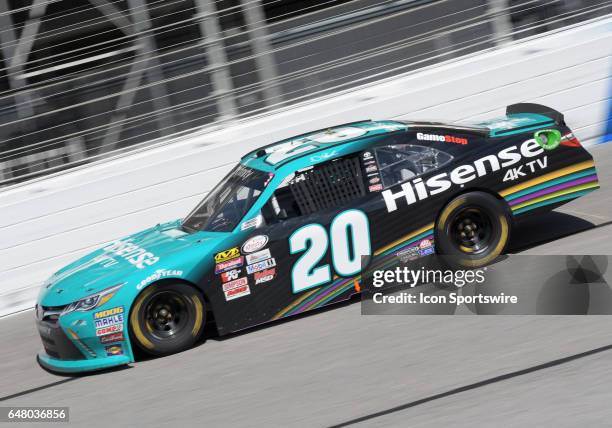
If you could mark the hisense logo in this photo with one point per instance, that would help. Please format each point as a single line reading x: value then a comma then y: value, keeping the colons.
x: 133, y: 253
x: 418, y: 190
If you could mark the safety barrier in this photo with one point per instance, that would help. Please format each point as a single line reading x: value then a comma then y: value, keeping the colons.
x: 50, y: 222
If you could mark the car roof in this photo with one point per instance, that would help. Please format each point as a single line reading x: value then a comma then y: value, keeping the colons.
x: 307, y: 149
x: 339, y: 138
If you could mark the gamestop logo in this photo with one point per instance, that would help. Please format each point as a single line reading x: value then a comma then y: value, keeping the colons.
x: 442, y: 138
x: 418, y: 190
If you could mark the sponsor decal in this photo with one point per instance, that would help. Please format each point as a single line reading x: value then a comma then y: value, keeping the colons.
x: 108, y: 321
x: 133, y: 253
x: 255, y: 243
x: 230, y: 275
x: 234, y: 293
x: 258, y: 256
x: 252, y: 223
x: 408, y: 254
x: 442, y: 138
x: 110, y: 338
x: 265, y: 275
x: 569, y: 140
x: 226, y: 255
x: 259, y: 266
x: 375, y: 188
x: 371, y: 168
x: 418, y: 190
x: 113, y: 350
x: 109, y: 330
x: 236, y: 283
x: 108, y: 312
x: 157, y: 275
x: 426, y: 252
x: 367, y: 155
x: 374, y: 180
x: 228, y: 265
x: 323, y: 156
x: 549, y: 139
x: 425, y: 243
x: 530, y: 167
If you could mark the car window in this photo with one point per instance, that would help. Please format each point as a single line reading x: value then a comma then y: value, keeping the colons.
x: 225, y: 206
x: 327, y: 185
x: 400, y: 162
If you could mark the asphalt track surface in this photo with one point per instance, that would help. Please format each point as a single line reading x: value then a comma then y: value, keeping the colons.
x: 337, y: 367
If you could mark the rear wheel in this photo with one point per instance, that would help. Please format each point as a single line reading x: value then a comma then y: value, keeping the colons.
x: 167, y: 318
x: 473, y: 229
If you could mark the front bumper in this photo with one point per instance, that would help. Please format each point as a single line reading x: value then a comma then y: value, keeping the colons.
x: 71, y: 345
x: 78, y: 366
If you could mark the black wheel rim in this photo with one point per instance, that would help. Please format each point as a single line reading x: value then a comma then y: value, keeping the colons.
x: 166, y: 314
x: 471, y: 230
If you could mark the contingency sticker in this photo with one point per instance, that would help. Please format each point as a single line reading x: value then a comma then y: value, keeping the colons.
x: 108, y: 312
x: 258, y: 256
x: 229, y: 265
x: 110, y: 338
x: 109, y: 330
x: 254, y: 243
x: 256, y: 267
x: 113, y: 350
x: 264, y: 276
x: 225, y: 255
x: 236, y: 289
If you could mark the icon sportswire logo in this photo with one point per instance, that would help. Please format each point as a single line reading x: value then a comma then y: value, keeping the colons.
x: 418, y: 190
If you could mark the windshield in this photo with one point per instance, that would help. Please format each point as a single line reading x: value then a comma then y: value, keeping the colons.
x: 224, y: 207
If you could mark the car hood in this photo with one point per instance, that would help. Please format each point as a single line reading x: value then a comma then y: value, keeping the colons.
x: 133, y: 257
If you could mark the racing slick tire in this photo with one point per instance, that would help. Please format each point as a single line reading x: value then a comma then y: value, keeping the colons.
x: 166, y: 318
x: 472, y: 230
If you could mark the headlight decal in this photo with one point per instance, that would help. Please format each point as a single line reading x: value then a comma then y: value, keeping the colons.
x: 93, y: 301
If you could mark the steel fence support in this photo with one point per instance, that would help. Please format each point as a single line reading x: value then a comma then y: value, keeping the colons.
x: 255, y: 19
x: 16, y: 51
x: 220, y: 75
x: 138, y: 25
x: 500, y: 21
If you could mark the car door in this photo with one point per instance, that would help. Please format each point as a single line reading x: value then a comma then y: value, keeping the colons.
x: 314, y: 239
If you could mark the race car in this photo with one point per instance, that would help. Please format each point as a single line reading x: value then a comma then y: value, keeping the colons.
x: 287, y: 231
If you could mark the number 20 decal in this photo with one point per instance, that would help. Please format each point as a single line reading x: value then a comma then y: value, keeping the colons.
x: 350, y: 239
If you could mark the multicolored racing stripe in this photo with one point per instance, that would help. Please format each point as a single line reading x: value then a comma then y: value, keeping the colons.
x: 384, y: 256
x: 557, y: 186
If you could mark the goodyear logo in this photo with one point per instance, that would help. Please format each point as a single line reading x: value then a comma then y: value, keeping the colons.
x: 108, y: 312
x: 223, y: 256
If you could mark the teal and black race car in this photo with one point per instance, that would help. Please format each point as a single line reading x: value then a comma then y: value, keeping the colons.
x: 286, y: 230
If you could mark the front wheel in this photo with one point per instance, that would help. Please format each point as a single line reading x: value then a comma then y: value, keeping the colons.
x: 472, y: 230
x: 167, y: 318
